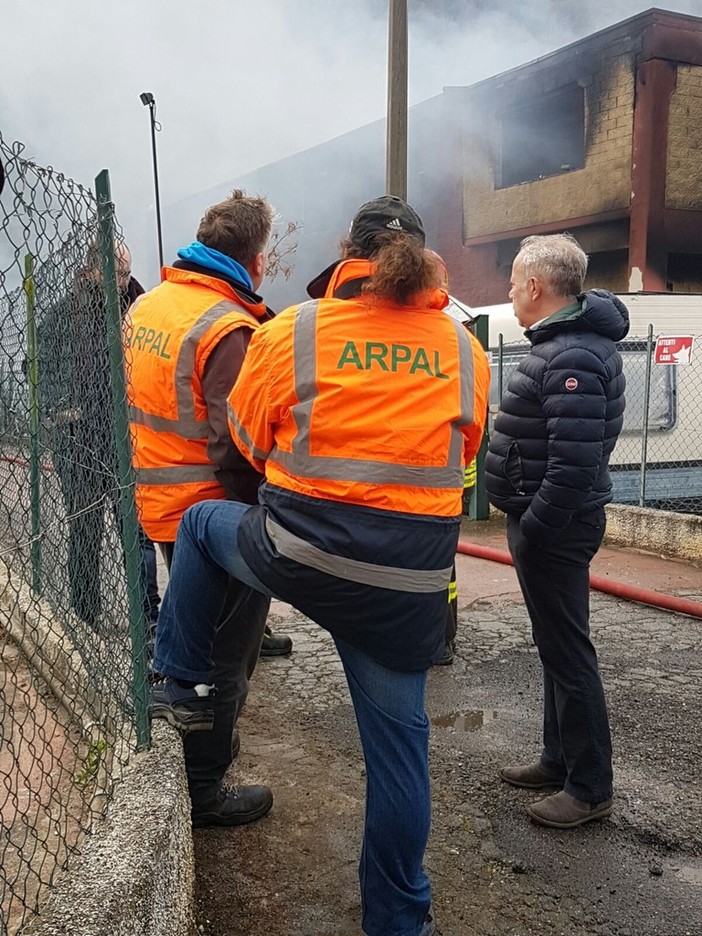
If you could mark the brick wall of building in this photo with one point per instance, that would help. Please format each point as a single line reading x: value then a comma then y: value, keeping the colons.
x: 604, y: 184
x: 684, y: 165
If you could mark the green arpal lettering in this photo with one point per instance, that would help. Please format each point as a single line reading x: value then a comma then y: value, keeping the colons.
x: 150, y: 335
x: 162, y: 353
x: 401, y: 354
x: 350, y: 355
x: 156, y: 346
x: 437, y: 368
x: 378, y: 355
x: 421, y: 362
x: 139, y: 337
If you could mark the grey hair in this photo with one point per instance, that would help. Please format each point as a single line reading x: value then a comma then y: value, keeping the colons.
x: 557, y: 259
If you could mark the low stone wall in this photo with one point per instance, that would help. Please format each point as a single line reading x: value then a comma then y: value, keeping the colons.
x: 135, y: 873
x: 675, y: 535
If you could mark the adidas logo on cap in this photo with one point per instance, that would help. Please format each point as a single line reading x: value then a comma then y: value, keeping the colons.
x: 394, y: 225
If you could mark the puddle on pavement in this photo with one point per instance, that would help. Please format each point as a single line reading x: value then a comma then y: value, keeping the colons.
x: 465, y: 721
x: 690, y: 874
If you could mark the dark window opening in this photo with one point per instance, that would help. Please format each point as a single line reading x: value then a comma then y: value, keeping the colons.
x: 684, y: 272
x: 544, y: 137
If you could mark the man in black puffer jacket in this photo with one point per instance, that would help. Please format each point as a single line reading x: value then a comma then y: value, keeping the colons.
x: 548, y: 470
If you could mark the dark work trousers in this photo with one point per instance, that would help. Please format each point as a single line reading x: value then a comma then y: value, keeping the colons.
x: 85, y: 462
x: 554, y: 578
x: 208, y: 754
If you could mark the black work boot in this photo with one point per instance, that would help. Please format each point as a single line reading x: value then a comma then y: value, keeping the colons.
x: 275, y: 644
x: 186, y: 708
x: 446, y: 659
x: 224, y: 805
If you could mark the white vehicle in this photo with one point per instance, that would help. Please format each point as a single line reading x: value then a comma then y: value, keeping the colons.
x: 671, y: 446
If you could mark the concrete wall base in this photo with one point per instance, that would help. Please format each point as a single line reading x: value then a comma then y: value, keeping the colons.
x: 675, y: 535
x: 135, y: 873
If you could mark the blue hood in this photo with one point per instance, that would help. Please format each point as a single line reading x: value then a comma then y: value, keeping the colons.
x: 214, y: 260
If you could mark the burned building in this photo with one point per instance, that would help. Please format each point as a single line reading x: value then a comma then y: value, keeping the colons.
x: 602, y: 138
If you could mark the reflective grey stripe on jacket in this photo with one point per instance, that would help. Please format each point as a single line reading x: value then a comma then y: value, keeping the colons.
x: 299, y: 462
x: 467, y: 378
x: 187, y: 425
x: 353, y: 570
x: 176, y: 474
x: 243, y: 434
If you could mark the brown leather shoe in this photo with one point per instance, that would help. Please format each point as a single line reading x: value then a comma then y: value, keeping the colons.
x: 532, y: 777
x: 563, y: 811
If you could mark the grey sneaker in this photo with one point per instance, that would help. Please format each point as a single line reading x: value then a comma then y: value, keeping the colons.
x: 532, y: 777
x: 184, y: 708
x: 563, y: 811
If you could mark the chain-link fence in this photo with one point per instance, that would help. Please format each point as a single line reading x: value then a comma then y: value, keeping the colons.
x: 658, y: 459
x: 74, y: 612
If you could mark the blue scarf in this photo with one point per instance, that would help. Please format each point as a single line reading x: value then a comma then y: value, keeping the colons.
x: 218, y: 262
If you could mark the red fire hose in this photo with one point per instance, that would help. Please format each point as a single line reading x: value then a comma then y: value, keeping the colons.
x: 610, y: 587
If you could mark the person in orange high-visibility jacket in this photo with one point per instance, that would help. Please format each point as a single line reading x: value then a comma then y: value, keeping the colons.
x: 362, y: 413
x: 187, y: 339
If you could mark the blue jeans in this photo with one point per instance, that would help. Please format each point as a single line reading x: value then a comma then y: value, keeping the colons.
x: 389, y: 707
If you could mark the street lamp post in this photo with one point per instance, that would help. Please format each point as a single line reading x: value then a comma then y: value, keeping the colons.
x: 148, y: 100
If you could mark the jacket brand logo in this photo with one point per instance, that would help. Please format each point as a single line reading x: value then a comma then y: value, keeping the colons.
x: 151, y: 341
x: 394, y: 225
x: 571, y: 383
x: 371, y: 355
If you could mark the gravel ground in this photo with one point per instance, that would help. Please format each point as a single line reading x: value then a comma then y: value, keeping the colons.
x: 494, y: 873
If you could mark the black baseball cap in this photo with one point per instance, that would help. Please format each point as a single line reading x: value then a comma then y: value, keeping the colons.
x: 387, y: 214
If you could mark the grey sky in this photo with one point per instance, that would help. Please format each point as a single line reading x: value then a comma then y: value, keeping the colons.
x: 241, y: 83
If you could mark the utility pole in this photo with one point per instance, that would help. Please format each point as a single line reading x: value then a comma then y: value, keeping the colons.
x: 396, y: 154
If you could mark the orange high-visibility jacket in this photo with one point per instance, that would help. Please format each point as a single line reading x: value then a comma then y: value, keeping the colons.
x: 170, y: 333
x: 364, y: 401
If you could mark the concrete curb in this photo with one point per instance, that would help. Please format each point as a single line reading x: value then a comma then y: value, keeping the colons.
x: 674, y: 535
x: 135, y: 873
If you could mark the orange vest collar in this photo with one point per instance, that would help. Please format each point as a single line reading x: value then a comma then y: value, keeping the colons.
x: 188, y: 277
x: 348, y: 270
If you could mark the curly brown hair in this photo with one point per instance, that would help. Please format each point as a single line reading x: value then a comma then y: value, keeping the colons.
x: 402, y: 267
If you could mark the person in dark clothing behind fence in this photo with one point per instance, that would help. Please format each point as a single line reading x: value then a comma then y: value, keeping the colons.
x: 547, y: 468
x: 74, y: 379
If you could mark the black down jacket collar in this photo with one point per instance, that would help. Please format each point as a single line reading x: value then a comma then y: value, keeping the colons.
x: 602, y: 314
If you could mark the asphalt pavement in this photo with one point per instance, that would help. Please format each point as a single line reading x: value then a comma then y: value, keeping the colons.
x: 494, y: 873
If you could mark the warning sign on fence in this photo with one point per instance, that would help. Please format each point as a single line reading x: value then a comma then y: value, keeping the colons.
x: 674, y: 349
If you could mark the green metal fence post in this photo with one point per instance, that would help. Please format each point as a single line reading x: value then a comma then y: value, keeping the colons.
x: 34, y: 421
x: 644, y: 428
x: 129, y: 526
x: 478, y: 506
